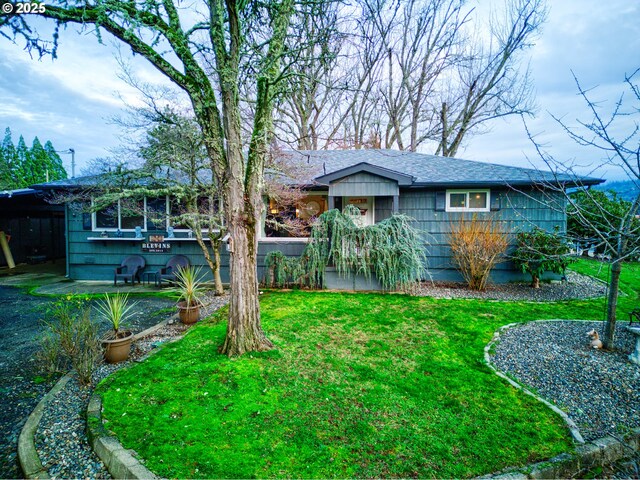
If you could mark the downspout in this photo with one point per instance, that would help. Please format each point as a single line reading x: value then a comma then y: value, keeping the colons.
x: 66, y: 238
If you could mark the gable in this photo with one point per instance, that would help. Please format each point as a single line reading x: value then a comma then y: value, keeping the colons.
x: 363, y: 184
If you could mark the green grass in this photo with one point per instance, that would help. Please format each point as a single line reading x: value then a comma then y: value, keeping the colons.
x: 629, y: 278
x: 361, y: 385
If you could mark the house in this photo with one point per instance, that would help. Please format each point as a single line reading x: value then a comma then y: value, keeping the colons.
x: 435, y: 191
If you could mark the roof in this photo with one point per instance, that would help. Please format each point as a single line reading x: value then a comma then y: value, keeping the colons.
x: 17, y: 193
x: 407, y: 168
x: 432, y: 170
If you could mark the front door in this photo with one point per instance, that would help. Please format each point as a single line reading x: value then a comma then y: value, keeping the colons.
x: 366, y: 206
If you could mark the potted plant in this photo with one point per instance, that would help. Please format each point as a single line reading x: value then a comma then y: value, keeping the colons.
x: 116, y: 310
x: 188, y: 282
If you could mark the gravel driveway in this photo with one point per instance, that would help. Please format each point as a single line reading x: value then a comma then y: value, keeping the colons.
x: 21, y: 387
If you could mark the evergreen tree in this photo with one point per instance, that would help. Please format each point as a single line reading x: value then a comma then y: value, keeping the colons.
x: 22, y: 170
x: 5, y: 171
x: 54, y: 163
x: 38, y: 170
x: 8, y: 162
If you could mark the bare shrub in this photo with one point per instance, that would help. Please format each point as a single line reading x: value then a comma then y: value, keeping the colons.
x: 71, y: 339
x: 477, y: 245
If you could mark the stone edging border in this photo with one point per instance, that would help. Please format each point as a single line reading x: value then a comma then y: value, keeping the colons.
x: 603, y: 451
x: 573, y: 428
x: 27, y: 454
x: 28, y: 458
x: 598, y: 452
x: 120, y: 462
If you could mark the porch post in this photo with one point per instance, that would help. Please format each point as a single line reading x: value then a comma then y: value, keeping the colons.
x: 396, y: 203
x: 331, y: 202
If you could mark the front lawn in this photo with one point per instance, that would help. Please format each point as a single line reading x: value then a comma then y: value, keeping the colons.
x: 361, y: 385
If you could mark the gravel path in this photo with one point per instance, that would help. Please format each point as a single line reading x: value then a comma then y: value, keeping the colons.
x: 576, y: 286
x: 599, y: 390
x: 61, y: 440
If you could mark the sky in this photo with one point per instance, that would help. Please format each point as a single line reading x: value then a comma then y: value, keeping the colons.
x: 72, y: 100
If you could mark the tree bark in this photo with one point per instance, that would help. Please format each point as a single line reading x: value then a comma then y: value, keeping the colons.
x: 612, y: 304
x: 535, y: 282
x: 219, y: 291
x: 244, y: 329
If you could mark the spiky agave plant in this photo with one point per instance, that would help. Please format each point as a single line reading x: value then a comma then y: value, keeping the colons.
x: 189, y: 283
x: 116, y: 310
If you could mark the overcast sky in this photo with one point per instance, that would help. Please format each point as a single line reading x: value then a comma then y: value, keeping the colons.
x: 70, y: 100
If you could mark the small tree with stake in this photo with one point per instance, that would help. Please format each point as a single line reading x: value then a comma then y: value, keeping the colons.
x: 539, y: 251
x: 616, y: 232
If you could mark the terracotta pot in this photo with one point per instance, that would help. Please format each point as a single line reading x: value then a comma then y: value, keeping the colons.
x: 188, y: 314
x: 118, y: 349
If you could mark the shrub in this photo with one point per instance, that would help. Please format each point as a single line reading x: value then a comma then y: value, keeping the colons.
x: 539, y: 251
x: 391, y: 249
x: 477, y: 245
x: 71, y: 339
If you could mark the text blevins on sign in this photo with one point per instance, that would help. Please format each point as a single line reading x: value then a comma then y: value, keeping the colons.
x: 156, y: 244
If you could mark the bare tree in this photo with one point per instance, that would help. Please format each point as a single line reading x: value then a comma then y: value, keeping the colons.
x: 421, y: 39
x: 489, y: 82
x: 406, y: 74
x: 616, y: 231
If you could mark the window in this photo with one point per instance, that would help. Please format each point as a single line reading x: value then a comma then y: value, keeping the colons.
x: 107, y: 218
x: 294, y: 220
x: 131, y: 214
x: 125, y: 214
x: 468, y: 200
x: 157, y: 213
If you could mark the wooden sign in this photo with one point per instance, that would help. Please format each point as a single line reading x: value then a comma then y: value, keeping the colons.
x: 156, y: 244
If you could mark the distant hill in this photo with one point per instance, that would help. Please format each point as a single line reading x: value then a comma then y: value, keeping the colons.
x: 626, y: 190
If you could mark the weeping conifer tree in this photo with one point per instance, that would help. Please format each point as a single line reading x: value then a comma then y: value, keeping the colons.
x: 392, y: 250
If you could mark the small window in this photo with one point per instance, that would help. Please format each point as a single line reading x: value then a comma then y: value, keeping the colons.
x: 468, y: 200
x: 131, y: 214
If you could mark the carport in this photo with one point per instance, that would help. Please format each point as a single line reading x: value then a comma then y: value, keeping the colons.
x: 36, y: 227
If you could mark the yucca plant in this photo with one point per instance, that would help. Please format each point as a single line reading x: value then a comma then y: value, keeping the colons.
x: 116, y: 310
x: 189, y: 283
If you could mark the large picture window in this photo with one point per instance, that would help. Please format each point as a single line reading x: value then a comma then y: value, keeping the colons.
x: 468, y: 200
x: 149, y: 214
x: 294, y: 220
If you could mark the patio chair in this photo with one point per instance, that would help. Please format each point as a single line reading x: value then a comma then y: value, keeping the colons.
x: 168, y: 272
x: 129, y: 269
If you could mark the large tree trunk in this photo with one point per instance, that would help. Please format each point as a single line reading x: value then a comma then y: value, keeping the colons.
x: 612, y: 303
x: 243, y: 209
x: 244, y: 330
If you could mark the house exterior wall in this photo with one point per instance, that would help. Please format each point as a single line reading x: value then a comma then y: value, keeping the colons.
x: 518, y: 211
x: 96, y: 260
x: 363, y: 185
